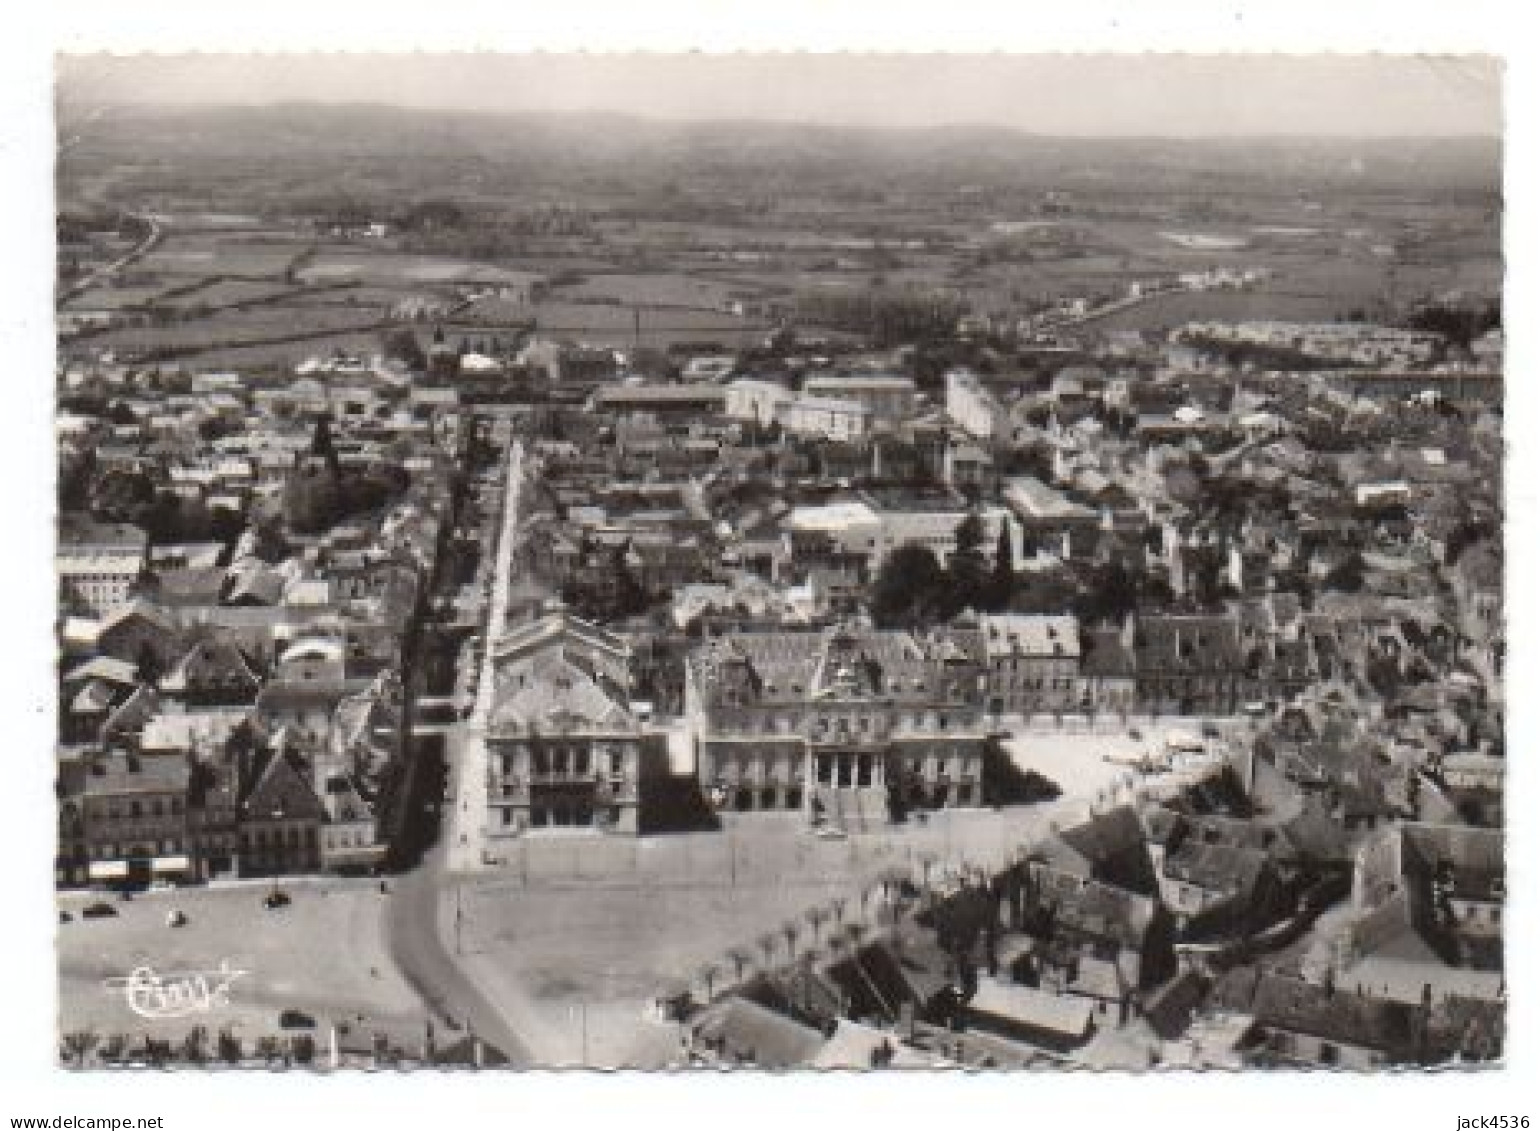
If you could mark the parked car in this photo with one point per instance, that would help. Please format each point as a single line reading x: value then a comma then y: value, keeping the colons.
x: 295, y: 1019
x: 99, y: 911
x: 65, y: 917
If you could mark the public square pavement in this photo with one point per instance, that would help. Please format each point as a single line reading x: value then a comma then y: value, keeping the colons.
x: 324, y: 954
x: 575, y: 935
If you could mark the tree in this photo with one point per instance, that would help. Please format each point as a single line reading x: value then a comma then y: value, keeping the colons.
x: 740, y: 959
x: 311, y: 499
x: 968, y: 568
x: 911, y: 588
x: 816, y: 916
x: 402, y: 344
x: 631, y: 597
x: 768, y: 944
x: 321, y: 445
x: 1112, y: 594
x: 122, y: 496
x: 77, y: 1045
x: 708, y: 976
x: 791, y: 931
x: 1003, y: 583
x: 195, y: 1046
x: 147, y: 666
x: 1348, y: 576
x: 229, y: 1047
x: 212, y: 428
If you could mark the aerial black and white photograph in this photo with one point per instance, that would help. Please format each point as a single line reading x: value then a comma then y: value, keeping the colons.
x: 778, y: 562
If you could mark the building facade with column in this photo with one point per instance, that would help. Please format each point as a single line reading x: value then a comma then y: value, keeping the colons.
x: 563, y: 748
x: 842, y: 725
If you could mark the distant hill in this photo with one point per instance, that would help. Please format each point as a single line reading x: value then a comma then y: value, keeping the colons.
x: 299, y: 131
x: 385, y: 154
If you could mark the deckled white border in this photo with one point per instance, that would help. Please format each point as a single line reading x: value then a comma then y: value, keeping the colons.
x: 31, y: 1087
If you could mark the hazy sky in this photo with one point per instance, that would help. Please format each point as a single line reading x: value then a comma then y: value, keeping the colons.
x: 1056, y: 94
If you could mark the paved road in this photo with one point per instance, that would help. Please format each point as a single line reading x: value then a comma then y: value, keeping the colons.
x: 468, y: 756
x: 422, y: 930
x: 415, y: 937
x: 102, y: 274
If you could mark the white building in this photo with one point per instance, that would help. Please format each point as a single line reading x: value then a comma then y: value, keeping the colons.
x: 826, y: 418
x: 889, y: 398
x: 98, y: 577
x: 759, y: 401
x: 859, y: 527
x: 970, y: 406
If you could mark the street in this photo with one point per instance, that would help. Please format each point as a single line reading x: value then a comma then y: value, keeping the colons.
x: 415, y: 929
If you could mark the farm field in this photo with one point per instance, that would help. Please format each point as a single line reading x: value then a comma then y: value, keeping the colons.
x: 115, y: 298
x: 1310, y: 291
x: 663, y: 337
x: 199, y: 255
x: 368, y: 296
x: 213, y: 221
x: 225, y: 292
x: 230, y: 328
x: 577, y: 317
x: 390, y: 267
x: 284, y: 355
x: 649, y: 290
x: 1166, y: 311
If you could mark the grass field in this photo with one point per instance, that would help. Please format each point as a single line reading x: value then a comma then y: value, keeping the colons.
x: 115, y: 298
x: 649, y: 290
x: 284, y: 355
x: 384, y: 267
x: 1163, y: 312
x: 230, y: 326
x: 616, y: 325
x: 224, y: 292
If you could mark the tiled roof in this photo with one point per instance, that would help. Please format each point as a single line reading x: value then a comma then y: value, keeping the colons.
x: 282, y: 791
x: 119, y: 774
x: 1011, y: 634
x: 1346, y: 1018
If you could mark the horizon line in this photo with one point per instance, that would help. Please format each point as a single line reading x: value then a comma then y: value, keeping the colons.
x: 174, y: 106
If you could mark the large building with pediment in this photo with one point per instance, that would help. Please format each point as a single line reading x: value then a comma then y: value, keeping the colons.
x: 564, y: 750
x: 846, y: 725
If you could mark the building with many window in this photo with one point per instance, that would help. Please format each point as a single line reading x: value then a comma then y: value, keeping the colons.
x: 845, y: 725
x: 563, y: 748
x: 1034, y: 663
x: 889, y: 398
x: 97, y: 565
